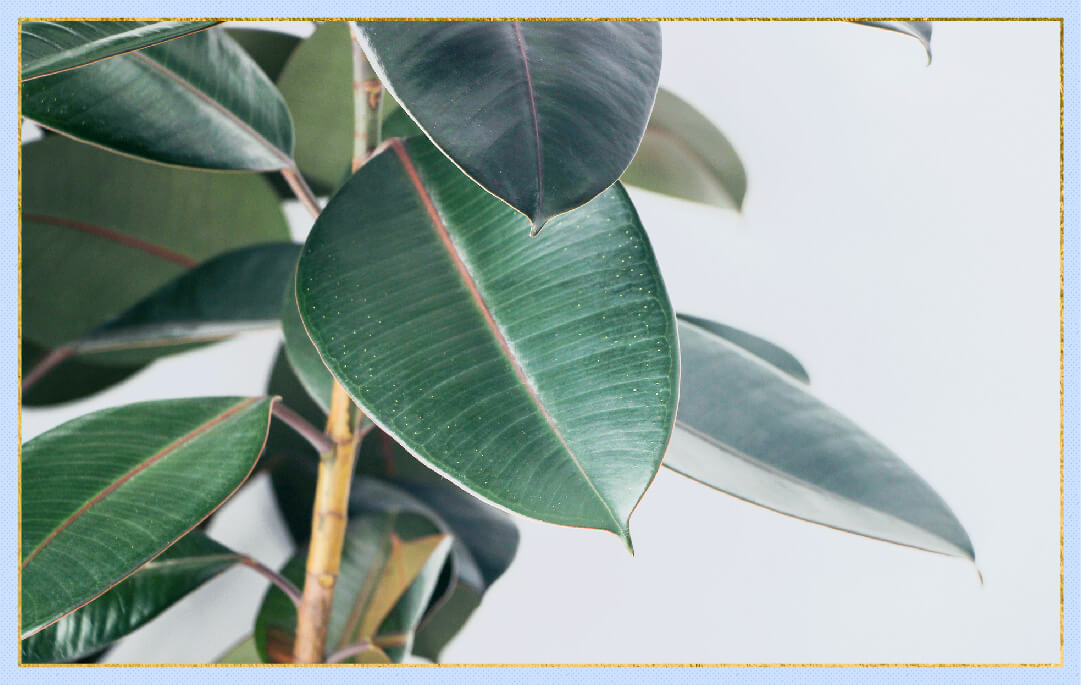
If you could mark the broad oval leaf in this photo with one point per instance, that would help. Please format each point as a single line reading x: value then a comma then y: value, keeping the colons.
x: 156, y: 586
x: 198, y: 101
x: 685, y: 156
x: 302, y: 356
x: 389, y: 566
x: 51, y: 46
x: 759, y: 347
x: 920, y: 30
x: 540, y: 375
x: 746, y: 429
x: 544, y: 114
x: 70, y: 380
x: 103, y: 494
x: 269, y: 49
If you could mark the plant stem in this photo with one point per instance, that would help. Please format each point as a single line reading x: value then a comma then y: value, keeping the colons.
x: 330, y: 512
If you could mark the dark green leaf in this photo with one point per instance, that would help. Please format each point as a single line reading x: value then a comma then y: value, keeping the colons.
x: 71, y: 380
x: 685, y: 156
x: 303, y: 357
x: 269, y: 49
x: 389, y: 567
x: 197, y: 101
x: 101, y: 231
x: 159, y: 584
x: 538, y: 374
x: 763, y: 349
x: 237, y: 291
x: 920, y: 30
x: 544, y: 114
x: 88, y: 522
x: 747, y: 429
x: 52, y: 46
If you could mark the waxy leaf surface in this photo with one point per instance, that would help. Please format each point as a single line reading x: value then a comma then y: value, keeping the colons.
x: 156, y: 586
x: 747, y: 429
x: 52, y: 46
x: 538, y: 374
x: 197, y: 101
x: 544, y: 114
x: 105, y: 493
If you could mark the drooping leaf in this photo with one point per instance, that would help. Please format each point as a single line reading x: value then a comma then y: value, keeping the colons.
x: 71, y: 380
x: 747, y: 429
x: 48, y: 47
x: 920, y: 30
x: 101, y: 231
x: 196, y: 101
x: 104, y: 493
x: 544, y: 114
x: 389, y: 566
x: 244, y: 652
x: 685, y: 156
x: 317, y: 84
x: 236, y: 291
x: 763, y: 349
x: 159, y: 584
x: 538, y: 374
x: 269, y: 49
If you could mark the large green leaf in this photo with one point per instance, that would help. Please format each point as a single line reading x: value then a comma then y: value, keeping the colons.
x: 544, y: 114
x: 70, y: 380
x: 237, y: 291
x: 747, y: 429
x: 51, y: 46
x: 156, y: 586
x: 684, y: 155
x: 389, y: 567
x: 304, y: 359
x: 269, y: 49
x: 920, y: 30
x: 540, y: 375
x: 763, y: 349
x: 103, y: 494
x: 197, y: 101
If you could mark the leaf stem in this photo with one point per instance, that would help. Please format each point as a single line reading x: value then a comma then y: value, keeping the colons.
x: 347, y: 652
x: 278, y: 579
x: 304, y: 429
x: 302, y: 190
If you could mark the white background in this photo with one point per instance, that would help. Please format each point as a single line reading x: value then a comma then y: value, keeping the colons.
x: 901, y: 237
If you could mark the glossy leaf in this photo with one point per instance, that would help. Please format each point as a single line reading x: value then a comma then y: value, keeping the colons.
x: 685, y: 156
x: 71, y: 380
x: 88, y: 522
x: 237, y: 291
x: 747, y: 429
x: 101, y: 231
x: 302, y: 355
x: 48, y: 47
x: 244, y: 652
x: 763, y: 349
x: 317, y: 84
x: 269, y: 49
x: 196, y: 101
x: 920, y: 30
x: 544, y: 114
x: 192, y: 561
x: 390, y: 563
x: 538, y: 374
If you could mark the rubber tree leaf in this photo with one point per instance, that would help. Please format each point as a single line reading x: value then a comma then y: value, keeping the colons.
x: 159, y: 584
x: 685, y: 156
x: 763, y: 349
x: 197, y: 101
x: 389, y: 567
x: 317, y: 84
x: 105, y: 493
x: 747, y: 429
x: 920, y: 30
x: 269, y: 49
x: 70, y: 380
x: 244, y: 652
x: 540, y: 375
x: 304, y: 359
x: 236, y: 291
x: 51, y: 46
x: 544, y: 114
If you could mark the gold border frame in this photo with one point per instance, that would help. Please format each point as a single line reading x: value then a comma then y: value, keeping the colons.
x: 1062, y: 343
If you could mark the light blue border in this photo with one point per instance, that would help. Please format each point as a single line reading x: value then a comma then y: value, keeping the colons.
x: 9, y: 672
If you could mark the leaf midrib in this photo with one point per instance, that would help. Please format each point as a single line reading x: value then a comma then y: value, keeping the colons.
x: 114, y: 236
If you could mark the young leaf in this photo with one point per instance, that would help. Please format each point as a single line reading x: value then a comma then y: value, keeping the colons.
x: 747, y: 429
x: 544, y: 114
x: 539, y: 375
x: 390, y: 563
x: 103, y: 494
x: 159, y: 584
x: 685, y: 156
x: 920, y: 30
x: 197, y: 101
x: 51, y: 46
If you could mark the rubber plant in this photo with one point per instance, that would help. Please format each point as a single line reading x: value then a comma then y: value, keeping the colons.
x: 475, y: 325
